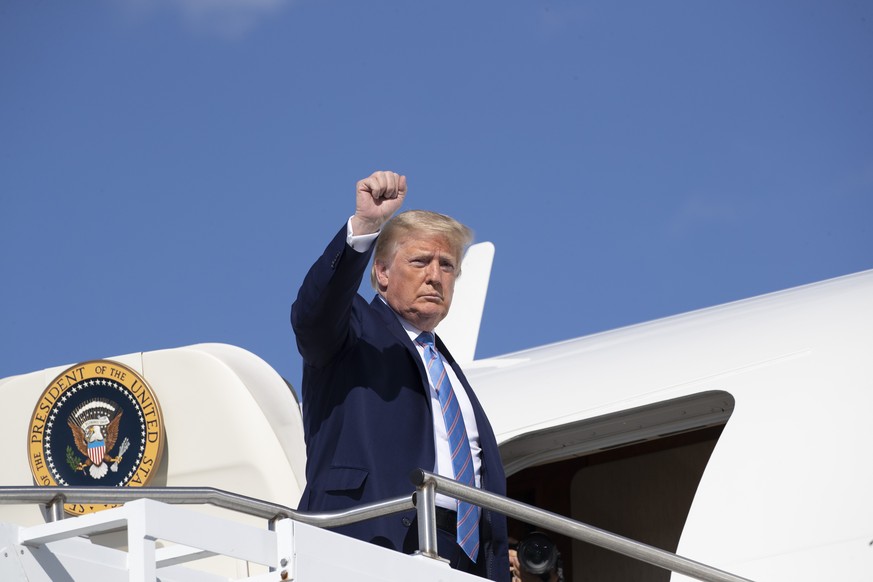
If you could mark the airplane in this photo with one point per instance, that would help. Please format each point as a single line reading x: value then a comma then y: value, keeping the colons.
x: 732, y: 436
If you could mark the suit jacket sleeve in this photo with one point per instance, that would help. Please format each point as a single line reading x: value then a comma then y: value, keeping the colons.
x: 322, y: 314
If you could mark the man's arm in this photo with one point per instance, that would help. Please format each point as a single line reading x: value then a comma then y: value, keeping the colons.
x: 321, y: 315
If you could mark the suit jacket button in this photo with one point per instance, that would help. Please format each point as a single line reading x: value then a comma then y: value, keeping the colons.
x: 406, y: 521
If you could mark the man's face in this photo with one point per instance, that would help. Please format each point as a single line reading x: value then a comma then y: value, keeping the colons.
x: 419, y: 280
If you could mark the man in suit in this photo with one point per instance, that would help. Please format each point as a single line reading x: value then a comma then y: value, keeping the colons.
x: 374, y: 377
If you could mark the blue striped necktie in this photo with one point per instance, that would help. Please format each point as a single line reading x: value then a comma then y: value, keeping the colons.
x: 462, y: 458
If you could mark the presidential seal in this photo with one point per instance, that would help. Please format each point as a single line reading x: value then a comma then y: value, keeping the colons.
x: 97, y: 423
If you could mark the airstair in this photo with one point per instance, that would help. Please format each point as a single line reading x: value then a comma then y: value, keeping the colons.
x: 163, y: 538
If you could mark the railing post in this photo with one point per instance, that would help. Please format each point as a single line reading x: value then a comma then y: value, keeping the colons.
x: 56, y: 508
x: 425, y: 503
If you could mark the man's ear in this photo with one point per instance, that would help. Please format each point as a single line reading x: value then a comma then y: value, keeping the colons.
x: 381, y: 270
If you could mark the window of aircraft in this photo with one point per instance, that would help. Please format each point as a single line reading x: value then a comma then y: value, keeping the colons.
x: 633, y: 473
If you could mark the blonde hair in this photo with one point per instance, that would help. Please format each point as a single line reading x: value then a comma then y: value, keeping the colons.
x: 419, y: 223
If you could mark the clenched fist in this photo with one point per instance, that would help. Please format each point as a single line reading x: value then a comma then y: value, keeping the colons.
x: 378, y: 197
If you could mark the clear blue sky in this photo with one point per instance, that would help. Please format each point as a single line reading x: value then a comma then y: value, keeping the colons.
x: 169, y: 169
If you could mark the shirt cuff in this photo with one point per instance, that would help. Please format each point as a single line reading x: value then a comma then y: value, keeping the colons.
x: 362, y: 242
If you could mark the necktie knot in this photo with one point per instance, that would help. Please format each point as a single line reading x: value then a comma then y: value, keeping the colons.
x: 426, y: 338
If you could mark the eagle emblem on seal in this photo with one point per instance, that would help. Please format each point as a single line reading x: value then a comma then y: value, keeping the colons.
x: 95, y: 426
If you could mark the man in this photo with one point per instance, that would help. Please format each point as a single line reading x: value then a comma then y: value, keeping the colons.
x: 375, y: 382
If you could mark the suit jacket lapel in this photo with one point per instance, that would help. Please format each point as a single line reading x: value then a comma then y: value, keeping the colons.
x: 393, y: 325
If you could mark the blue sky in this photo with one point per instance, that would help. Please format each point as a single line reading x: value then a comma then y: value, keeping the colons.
x: 169, y: 169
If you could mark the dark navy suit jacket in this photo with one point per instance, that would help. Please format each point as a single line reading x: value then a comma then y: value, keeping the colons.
x: 366, y: 406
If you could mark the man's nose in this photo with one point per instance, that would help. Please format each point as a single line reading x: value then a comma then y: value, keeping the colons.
x: 433, y: 271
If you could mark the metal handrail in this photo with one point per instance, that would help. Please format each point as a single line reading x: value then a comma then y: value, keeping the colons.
x: 428, y: 484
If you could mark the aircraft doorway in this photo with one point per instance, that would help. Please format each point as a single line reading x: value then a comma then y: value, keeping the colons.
x: 641, y: 486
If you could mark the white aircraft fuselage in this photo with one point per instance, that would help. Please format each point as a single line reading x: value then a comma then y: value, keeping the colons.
x: 733, y: 435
